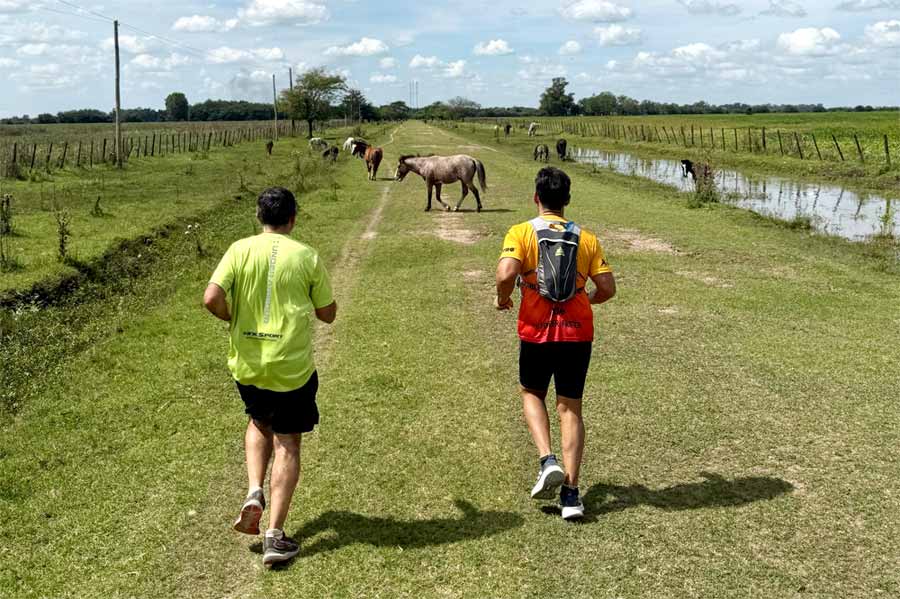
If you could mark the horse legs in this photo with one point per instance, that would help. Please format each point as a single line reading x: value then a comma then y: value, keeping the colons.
x: 429, y: 185
x: 477, y: 197
x: 438, y: 189
x: 465, y: 192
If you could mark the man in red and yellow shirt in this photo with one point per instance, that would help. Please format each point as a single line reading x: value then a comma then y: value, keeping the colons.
x: 556, y: 338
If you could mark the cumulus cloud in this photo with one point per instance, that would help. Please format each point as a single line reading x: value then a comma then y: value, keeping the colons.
x: 388, y: 63
x: 866, y: 5
x: 203, y: 24
x: 226, y: 55
x: 598, y: 11
x: 40, y: 32
x: 884, y: 34
x: 382, y: 78
x: 617, y: 35
x: 366, y: 46
x: 536, y: 70
x: 7, y: 6
x: 8, y: 63
x: 492, y: 48
x: 569, y: 48
x: 711, y: 7
x: 450, y: 70
x: 784, y: 8
x: 131, y: 44
x: 259, y: 13
x: 33, y: 49
x: 149, y: 62
x: 809, y: 41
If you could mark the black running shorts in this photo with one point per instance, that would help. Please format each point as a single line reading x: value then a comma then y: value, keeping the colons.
x: 286, y: 412
x: 565, y: 361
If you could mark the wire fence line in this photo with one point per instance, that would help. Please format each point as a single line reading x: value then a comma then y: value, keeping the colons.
x: 754, y: 140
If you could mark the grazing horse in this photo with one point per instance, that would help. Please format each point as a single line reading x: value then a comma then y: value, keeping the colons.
x: 542, y: 153
x: 687, y: 167
x: 507, y: 128
x: 331, y: 154
x: 317, y: 143
x: 348, y: 144
x: 269, y: 146
x: 561, y: 146
x: 532, y: 129
x: 372, y: 156
x: 440, y: 170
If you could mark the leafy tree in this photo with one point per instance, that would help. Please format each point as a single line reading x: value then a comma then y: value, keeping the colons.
x: 461, y: 108
x: 356, y: 106
x: 45, y: 119
x: 603, y: 104
x: 177, y: 107
x: 556, y: 102
x: 310, y: 99
x: 395, y: 111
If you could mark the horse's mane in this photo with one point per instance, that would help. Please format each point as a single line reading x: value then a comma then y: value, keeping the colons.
x: 405, y: 156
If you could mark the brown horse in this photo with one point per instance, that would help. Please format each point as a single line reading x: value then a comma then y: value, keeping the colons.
x: 372, y: 156
x: 439, y: 170
x: 269, y: 147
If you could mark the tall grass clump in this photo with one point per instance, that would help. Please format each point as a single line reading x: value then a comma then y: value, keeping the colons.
x: 706, y: 190
x: 63, y: 233
x: 6, y: 216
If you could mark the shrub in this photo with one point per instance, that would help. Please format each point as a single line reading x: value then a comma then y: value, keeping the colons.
x: 6, y: 226
x: 63, y: 233
x: 706, y: 190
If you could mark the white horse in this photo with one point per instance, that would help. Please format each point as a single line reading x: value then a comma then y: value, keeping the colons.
x: 317, y: 143
x: 532, y: 129
x: 348, y: 145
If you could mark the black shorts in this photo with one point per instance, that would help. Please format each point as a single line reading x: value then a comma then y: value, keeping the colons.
x: 286, y: 412
x: 565, y: 361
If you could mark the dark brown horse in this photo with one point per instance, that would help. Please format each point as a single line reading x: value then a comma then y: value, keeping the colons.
x: 269, y: 147
x: 372, y: 156
x: 330, y: 154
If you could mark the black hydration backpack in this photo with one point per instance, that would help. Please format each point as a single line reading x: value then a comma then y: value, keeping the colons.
x: 557, y: 270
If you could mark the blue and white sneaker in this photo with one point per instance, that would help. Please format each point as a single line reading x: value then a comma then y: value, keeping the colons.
x: 570, y: 503
x: 550, y: 477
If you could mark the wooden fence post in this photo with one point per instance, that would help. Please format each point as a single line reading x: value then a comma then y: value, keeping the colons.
x: 92, y: 154
x: 816, y: 144
x: 859, y: 149
x: 49, y: 155
x: 104, y: 150
x: 735, y: 140
x: 765, y: 146
x: 692, y: 136
x: 78, y: 156
x: 780, y: 145
x: 799, y: 147
x: 749, y: 140
x: 62, y: 159
x: 887, y: 151
x: 33, y: 154
x: 723, y: 139
x: 838, y: 146
x: 153, y: 146
x: 15, y: 153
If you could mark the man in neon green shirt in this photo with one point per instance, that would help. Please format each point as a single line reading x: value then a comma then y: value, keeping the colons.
x: 275, y: 284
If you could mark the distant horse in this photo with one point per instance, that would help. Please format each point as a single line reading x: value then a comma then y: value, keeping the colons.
x: 331, y: 154
x: 371, y: 155
x: 532, y: 129
x: 269, y: 146
x: 317, y: 143
x: 687, y: 168
x: 348, y: 144
x: 441, y: 170
x: 698, y: 171
x: 506, y: 129
x: 542, y: 153
x: 561, y: 149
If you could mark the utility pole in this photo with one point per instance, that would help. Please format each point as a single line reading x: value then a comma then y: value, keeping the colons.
x: 417, y: 94
x: 118, y: 98
x: 291, y: 77
x: 275, y: 106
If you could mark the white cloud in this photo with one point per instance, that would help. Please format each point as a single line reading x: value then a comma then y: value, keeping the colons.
x: 40, y: 32
x: 270, y: 12
x: 131, y: 44
x: 714, y: 7
x: 8, y: 63
x: 492, y: 48
x: 784, y: 8
x: 388, y: 63
x: 599, y: 11
x: 15, y: 5
x: 884, y: 34
x: 367, y: 46
x: 616, y: 35
x: 203, y: 24
x: 809, y: 41
x: 866, y: 5
x: 382, y: 78
x: 449, y: 70
x: 146, y: 61
x: 542, y: 71
x: 226, y: 55
x: 33, y: 49
x: 569, y: 48
x: 149, y: 62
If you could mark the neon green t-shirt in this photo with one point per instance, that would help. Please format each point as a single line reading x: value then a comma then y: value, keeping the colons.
x: 275, y: 283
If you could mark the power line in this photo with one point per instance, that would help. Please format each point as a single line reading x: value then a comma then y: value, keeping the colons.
x: 85, y: 10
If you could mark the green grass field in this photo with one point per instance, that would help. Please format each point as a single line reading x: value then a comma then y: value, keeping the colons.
x: 740, y: 409
x: 671, y: 135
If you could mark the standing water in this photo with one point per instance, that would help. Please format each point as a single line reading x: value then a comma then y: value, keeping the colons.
x: 832, y: 210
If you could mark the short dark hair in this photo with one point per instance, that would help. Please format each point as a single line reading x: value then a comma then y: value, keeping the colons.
x: 552, y: 187
x: 276, y: 206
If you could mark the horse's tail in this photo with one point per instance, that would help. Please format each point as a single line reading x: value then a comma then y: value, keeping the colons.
x: 482, y: 178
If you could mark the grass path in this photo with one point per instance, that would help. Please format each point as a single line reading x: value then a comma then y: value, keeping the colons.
x: 741, y: 417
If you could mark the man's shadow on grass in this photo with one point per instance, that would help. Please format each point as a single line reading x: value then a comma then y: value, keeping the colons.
x: 714, y: 492
x: 347, y: 528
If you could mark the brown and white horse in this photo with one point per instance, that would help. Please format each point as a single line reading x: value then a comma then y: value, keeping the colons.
x: 440, y: 170
x: 372, y: 156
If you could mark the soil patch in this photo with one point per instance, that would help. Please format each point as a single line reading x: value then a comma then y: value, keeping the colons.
x: 704, y: 278
x: 637, y: 242
x: 450, y: 229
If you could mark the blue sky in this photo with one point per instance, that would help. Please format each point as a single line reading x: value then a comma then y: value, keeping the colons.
x: 55, y: 55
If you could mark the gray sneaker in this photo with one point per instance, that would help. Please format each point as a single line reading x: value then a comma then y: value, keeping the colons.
x: 276, y: 551
x: 251, y: 513
x: 550, y: 478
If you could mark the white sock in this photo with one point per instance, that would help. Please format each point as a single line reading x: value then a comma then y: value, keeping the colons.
x: 275, y: 533
x: 254, y: 489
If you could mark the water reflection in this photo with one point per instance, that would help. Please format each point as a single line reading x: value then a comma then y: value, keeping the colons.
x: 832, y: 210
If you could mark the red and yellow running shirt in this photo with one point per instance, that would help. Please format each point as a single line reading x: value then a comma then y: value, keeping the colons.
x: 541, y: 320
